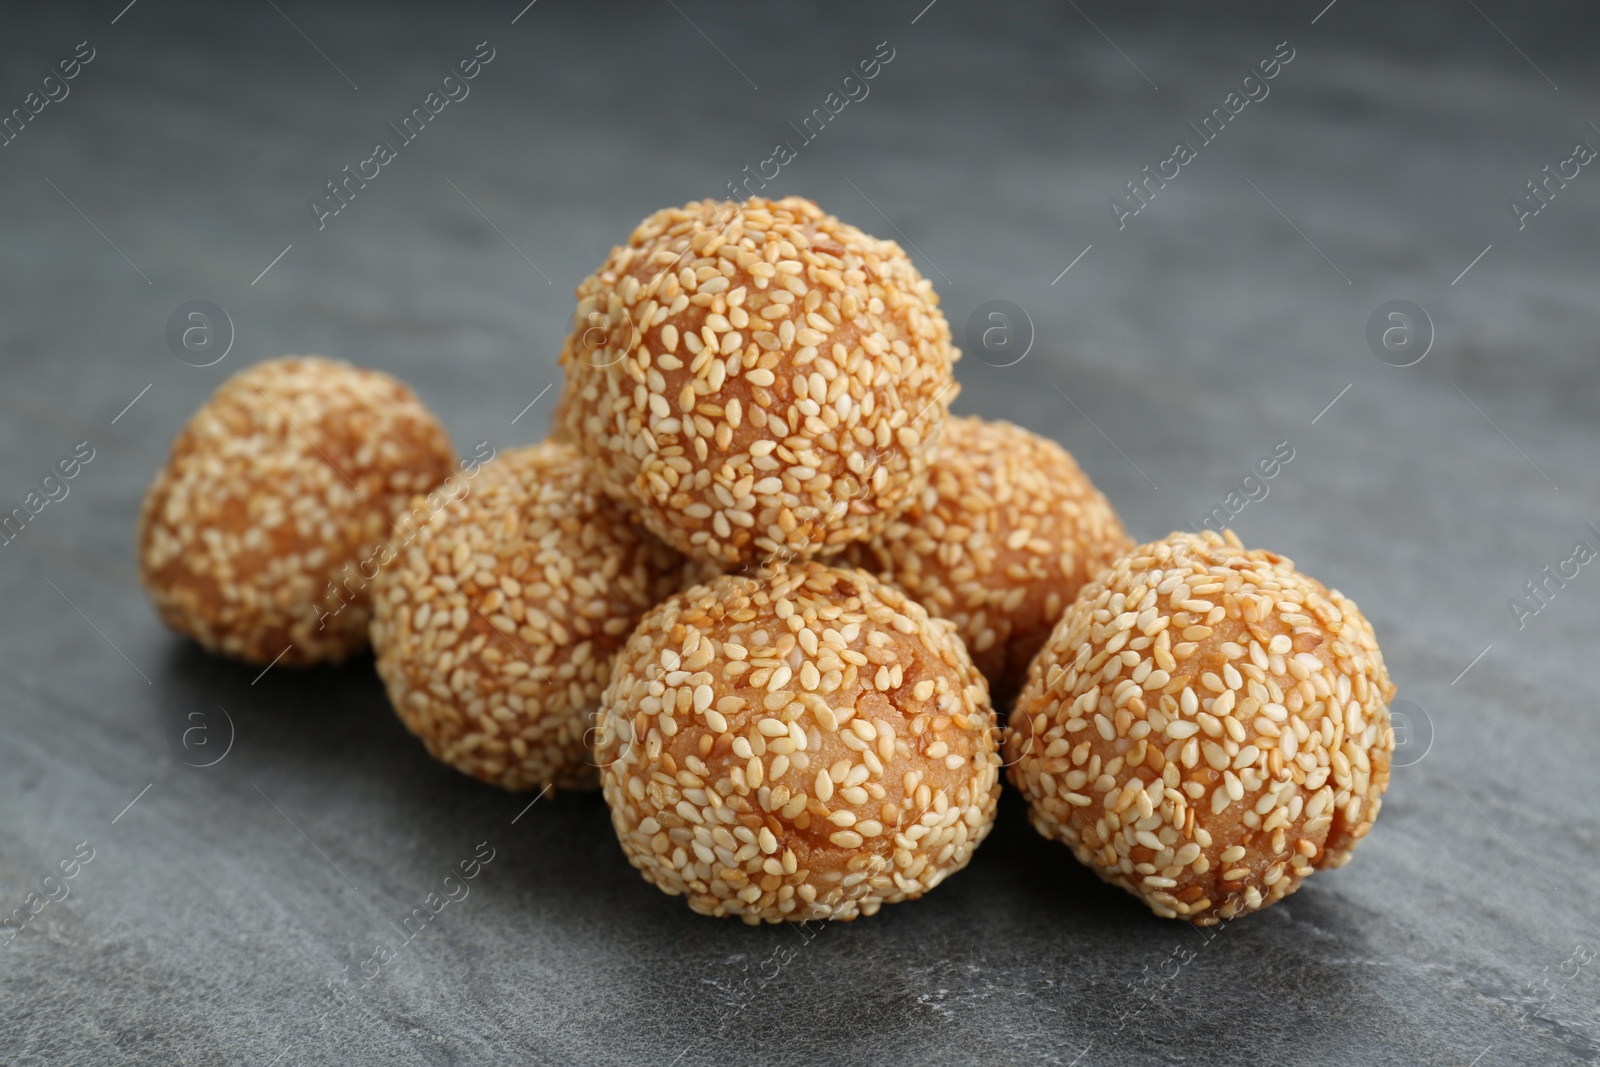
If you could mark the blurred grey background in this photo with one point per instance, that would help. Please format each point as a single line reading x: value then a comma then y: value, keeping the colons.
x: 1227, y: 319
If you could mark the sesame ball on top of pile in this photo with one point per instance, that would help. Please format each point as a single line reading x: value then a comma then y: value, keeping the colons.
x: 804, y: 743
x: 999, y: 541
x: 1205, y: 727
x: 495, y: 627
x: 281, y: 485
x: 758, y: 380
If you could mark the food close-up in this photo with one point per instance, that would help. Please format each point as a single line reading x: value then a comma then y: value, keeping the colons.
x: 803, y: 738
x: 792, y: 534
x: 762, y: 389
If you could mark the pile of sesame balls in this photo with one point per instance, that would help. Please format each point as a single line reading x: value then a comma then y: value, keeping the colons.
x: 765, y: 593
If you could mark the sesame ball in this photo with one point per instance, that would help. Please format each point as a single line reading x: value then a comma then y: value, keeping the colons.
x: 804, y: 743
x: 1205, y: 727
x: 758, y: 380
x: 281, y: 484
x: 999, y: 541
x: 495, y: 627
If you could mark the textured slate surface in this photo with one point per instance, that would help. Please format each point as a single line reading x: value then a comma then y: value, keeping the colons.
x: 1175, y: 353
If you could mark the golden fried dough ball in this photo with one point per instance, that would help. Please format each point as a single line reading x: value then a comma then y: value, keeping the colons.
x: 804, y: 743
x: 758, y: 381
x: 1205, y: 727
x: 495, y: 627
x: 278, y: 486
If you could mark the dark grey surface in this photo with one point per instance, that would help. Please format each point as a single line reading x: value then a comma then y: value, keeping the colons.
x: 207, y: 927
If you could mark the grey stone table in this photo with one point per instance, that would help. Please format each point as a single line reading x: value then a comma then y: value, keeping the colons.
x: 223, y: 904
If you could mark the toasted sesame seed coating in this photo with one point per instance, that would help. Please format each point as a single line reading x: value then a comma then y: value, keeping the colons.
x: 1205, y: 727
x: 758, y: 381
x: 804, y: 743
x: 290, y: 473
x: 999, y: 541
x: 495, y: 628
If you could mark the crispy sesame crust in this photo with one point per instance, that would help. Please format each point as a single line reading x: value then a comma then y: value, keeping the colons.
x: 758, y: 381
x: 292, y: 470
x: 495, y: 627
x: 999, y: 541
x: 1205, y: 727
x: 806, y: 743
